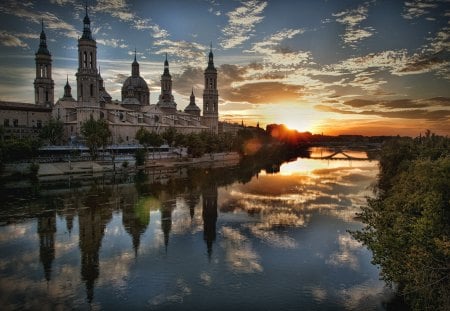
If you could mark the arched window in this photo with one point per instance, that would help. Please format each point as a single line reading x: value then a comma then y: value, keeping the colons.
x: 41, y: 71
x: 92, y: 90
x: 84, y: 60
x: 46, y: 96
x: 90, y: 60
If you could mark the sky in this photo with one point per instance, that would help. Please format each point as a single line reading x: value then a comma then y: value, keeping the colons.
x: 378, y: 67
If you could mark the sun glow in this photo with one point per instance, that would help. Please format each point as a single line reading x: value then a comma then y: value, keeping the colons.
x: 295, y: 117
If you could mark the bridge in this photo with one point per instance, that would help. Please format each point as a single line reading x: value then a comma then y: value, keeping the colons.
x: 336, y: 151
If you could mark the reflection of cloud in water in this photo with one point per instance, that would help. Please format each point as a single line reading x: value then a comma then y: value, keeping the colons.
x: 273, y: 238
x: 175, y: 297
x: 346, y: 256
x: 205, y: 278
x: 318, y: 293
x: 360, y: 296
x: 331, y: 187
x: 239, y: 253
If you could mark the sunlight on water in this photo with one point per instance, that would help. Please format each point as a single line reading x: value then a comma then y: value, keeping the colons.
x: 217, y: 239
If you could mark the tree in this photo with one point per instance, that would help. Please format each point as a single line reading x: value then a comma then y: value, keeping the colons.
x: 169, y: 136
x: 148, y: 139
x: 96, y: 133
x: 407, y: 225
x: 53, y: 132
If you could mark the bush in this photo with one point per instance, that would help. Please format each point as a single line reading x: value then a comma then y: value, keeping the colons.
x: 408, y: 223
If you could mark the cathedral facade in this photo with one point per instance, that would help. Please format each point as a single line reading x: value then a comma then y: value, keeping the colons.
x: 134, y: 111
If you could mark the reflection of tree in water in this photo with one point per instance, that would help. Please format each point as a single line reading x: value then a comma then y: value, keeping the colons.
x: 46, y: 230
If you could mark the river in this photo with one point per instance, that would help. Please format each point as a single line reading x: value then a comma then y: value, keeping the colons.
x: 233, y: 238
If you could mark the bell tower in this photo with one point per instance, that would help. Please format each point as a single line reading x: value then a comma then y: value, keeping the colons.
x: 43, y: 84
x: 87, y: 75
x: 211, y: 96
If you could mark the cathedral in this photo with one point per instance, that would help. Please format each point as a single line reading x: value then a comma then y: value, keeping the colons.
x: 134, y: 111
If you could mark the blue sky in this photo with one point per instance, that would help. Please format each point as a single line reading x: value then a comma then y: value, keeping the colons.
x: 370, y: 67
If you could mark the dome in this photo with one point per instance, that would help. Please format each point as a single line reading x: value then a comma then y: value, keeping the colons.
x: 131, y: 101
x: 134, y: 82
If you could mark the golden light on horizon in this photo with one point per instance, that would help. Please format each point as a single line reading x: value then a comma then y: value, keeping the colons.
x: 295, y: 116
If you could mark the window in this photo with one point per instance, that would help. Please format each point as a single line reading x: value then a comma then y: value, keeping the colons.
x: 92, y: 90
x: 46, y: 96
x: 15, y: 123
x: 84, y: 59
x: 71, y: 128
x: 90, y: 60
x: 6, y: 123
x: 39, y: 124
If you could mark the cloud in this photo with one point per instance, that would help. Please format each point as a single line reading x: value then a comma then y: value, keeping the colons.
x: 352, y: 19
x: 277, y: 55
x: 51, y: 21
x: 115, y: 43
x: 403, y: 109
x: 417, y: 8
x: 191, y: 53
x: 11, y: 40
x: 241, y: 23
x: 264, y: 93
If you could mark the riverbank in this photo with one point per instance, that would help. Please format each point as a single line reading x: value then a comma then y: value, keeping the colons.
x: 95, y: 167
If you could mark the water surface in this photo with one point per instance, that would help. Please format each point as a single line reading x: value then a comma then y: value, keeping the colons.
x: 235, y: 238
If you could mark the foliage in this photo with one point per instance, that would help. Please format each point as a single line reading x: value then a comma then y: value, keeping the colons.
x: 53, y: 132
x: 408, y: 223
x: 147, y: 138
x: 140, y: 156
x: 17, y: 150
x: 34, y: 170
x: 169, y: 136
x: 96, y: 133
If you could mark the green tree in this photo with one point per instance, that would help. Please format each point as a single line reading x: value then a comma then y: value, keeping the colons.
x: 408, y: 222
x: 169, y: 136
x: 196, y: 146
x: 148, y: 139
x: 53, y: 132
x: 96, y: 133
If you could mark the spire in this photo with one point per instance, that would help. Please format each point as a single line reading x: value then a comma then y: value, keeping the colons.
x: 210, y: 58
x: 192, y: 98
x: 135, y: 66
x: 43, y: 41
x: 67, y: 89
x: 86, y: 26
x: 166, y: 67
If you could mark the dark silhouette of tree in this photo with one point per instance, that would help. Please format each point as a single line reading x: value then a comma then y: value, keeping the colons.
x: 96, y: 133
x: 52, y: 132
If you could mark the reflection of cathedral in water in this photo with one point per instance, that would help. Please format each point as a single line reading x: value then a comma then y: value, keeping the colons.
x: 94, y: 210
x: 209, y: 215
x: 46, y: 230
x: 167, y: 208
x: 92, y: 224
x: 135, y: 220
